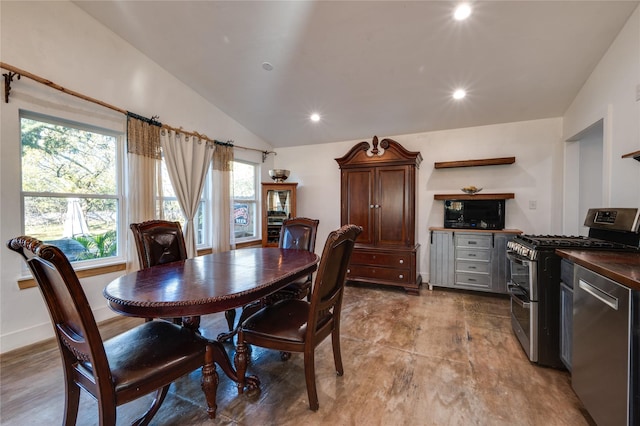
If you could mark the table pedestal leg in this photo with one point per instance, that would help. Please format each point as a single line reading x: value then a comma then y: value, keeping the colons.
x: 221, y: 358
x: 210, y: 381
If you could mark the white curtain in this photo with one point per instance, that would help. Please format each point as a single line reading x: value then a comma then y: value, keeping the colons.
x: 222, y: 197
x: 143, y: 171
x: 187, y: 159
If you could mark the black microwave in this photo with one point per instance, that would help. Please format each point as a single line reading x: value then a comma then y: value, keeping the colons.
x: 474, y: 214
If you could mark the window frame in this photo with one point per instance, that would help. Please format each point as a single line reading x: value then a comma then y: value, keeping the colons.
x: 255, y: 201
x: 119, y: 196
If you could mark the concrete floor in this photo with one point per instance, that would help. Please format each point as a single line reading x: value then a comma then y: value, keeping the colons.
x: 441, y: 358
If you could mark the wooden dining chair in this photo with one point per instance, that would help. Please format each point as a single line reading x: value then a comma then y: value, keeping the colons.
x: 159, y: 242
x: 145, y: 359
x: 294, y: 325
x: 296, y: 233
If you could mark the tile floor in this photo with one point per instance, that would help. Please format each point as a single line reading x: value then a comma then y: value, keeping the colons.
x: 444, y: 357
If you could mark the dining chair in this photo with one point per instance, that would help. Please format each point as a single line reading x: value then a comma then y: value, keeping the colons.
x: 142, y: 360
x: 295, y: 233
x: 159, y: 242
x: 295, y: 325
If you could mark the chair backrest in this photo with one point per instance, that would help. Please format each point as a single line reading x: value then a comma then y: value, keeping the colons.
x: 73, y: 322
x: 299, y: 233
x: 332, y: 271
x: 158, y: 242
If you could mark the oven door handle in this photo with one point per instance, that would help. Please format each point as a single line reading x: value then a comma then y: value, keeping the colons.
x: 518, y: 295
x: 512, y: 256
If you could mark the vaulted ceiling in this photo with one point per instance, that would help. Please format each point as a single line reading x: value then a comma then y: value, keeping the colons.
x: 371, y: 67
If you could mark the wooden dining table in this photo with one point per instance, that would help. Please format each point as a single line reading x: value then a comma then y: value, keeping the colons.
x: 208, y: 284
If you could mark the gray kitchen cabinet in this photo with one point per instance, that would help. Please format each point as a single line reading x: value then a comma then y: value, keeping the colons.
x: 469, y: 259
x: 441, y: 259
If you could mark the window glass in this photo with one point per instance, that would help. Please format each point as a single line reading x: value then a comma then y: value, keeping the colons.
x: 245, y: 184
x: 70, y: 191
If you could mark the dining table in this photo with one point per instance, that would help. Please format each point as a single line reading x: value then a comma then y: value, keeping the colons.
x: 208, y: 284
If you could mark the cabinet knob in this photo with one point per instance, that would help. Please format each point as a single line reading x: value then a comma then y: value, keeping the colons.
x: 401, y: 276
x: 401, y: 261
x: 377, y: 206
x: 370, y: 206
x: 348, y: 271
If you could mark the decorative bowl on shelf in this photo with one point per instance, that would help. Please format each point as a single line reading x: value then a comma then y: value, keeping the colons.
x: 471, y: 190
x: 279, y: 175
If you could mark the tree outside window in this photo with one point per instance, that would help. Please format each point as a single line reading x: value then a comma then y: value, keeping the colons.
x: 70, y: 191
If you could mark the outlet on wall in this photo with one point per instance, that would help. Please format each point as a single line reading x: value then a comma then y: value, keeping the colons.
x: 637, y: 92
x: 533, y: 204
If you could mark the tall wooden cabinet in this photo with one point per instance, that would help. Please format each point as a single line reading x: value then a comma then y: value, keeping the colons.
x: 278, y: 204
x: 378, y: 192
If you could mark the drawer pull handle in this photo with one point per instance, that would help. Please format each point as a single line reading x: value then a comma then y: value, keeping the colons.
x: 472, y: 267
x: 472, y: 242
x: 401, y: 261
x: 472, y: 255
x: 471, y: 279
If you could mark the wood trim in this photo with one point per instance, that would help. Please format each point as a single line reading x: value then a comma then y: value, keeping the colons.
x: 503, y: 196
x: 84, y: 273
x: 635, y: 155
x: 474, y: 163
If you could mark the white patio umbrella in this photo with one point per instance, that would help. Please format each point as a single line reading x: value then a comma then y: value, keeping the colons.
x: 74, y: 223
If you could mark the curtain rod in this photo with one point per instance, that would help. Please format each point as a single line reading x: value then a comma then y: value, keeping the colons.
x: 15, y: 71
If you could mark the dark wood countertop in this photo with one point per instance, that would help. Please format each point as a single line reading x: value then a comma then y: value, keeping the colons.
x: 621, y: 267
x: 490, y: 231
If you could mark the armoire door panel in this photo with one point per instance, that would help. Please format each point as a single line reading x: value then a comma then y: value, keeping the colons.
x: 357, y: 202
x: 391, y: 197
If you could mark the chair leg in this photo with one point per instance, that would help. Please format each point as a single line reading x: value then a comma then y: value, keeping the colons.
x: 247, y: 311
x: 71, y: 402
x: 145, y: 419
x: 240, y: 361
x: 310, y: 377
x: 337, y: 356
x: 230, y: 315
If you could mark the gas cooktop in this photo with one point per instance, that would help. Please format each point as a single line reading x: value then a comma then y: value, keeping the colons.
x: 561, y: 241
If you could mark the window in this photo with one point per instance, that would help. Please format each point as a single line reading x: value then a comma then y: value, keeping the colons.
x: 70, y: 189
x: 245, y: 200
x: 171, y: 208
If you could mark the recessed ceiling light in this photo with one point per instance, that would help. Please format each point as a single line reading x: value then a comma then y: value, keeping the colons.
x: 267, y: 66
x: 315, y: 117
x: 459, y: 94
x: 462, y: 12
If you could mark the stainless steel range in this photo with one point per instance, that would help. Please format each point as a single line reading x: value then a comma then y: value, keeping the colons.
x: 535, y: 277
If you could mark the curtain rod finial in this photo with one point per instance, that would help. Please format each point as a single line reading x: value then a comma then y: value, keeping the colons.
x: 8, y: 78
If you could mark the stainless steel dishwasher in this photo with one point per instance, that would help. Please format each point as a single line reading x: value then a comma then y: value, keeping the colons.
x: 601, y: 374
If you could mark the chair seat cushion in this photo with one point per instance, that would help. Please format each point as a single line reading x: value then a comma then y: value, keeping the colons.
x: 153, y: 350
x: 285, y: 320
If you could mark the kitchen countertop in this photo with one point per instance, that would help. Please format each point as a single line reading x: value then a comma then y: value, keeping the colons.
x: 491, y: 231
x: 622, y: 267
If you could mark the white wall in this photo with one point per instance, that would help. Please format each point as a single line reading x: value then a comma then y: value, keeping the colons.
x: 59, y: 42
x: 609, y: 95
x: 535, y: 175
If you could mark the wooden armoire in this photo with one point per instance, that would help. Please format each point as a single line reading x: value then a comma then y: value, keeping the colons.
x: 378, y: 192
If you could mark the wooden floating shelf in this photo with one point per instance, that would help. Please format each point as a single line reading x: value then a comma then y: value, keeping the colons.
x: 474, y: 163
x: 464, y: 196
x: 635, y: 155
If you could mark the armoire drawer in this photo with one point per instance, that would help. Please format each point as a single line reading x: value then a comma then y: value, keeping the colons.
x: 378, y: 273
x: 391, y: 260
